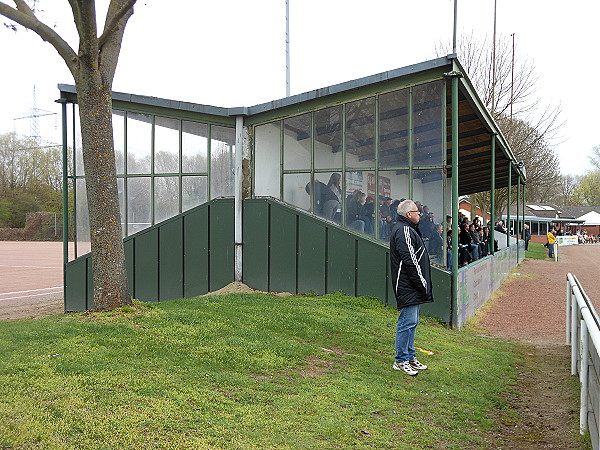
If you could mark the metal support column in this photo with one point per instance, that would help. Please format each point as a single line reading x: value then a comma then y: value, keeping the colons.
x: 238, y: 173
x: 493, y: 194
x: 65, y: 198
x: 519, y: 230
x: 508, y: 205
x: 454, y: 300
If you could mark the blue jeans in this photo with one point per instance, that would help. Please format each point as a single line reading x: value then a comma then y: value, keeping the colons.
x: 405, y: 333
x: 550, y: 250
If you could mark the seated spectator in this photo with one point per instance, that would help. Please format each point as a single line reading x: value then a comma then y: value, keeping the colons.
x: 353, y: 211
x: 466, y: 240
x: 385, y: 218
x: 500, y: 227
x: 367, y: 213
x: 436, y: 244
x: 325, y: 201
x: 475, y: 239
x: 464, y: 257
x: 485, y: 246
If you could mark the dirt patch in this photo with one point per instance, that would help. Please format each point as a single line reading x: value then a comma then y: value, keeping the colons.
x: 238, y: 287
x: 530, y: 310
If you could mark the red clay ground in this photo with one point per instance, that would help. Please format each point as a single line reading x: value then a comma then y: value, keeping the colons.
x: 31, y: 279
x: 530, y: 309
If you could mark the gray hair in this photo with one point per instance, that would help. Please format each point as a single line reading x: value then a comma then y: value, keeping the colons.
x: 406, y: 206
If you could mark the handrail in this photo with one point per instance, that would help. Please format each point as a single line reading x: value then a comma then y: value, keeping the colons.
x: 583, y: 332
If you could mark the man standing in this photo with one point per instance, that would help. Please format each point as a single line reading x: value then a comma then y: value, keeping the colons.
x: 551, y: 242
x: 527, y: 236
x: 411, y: 275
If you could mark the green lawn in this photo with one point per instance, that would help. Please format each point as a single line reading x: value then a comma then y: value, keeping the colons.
x: 246, y: 371
x: 537, y: 251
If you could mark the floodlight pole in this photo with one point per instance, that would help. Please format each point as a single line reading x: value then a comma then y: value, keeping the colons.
x: 455, y: 22
x: 287, y: 48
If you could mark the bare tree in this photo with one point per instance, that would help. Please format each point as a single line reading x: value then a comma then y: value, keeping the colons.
x: 93, y: 67
x: 566, y: 191
x: 595, y: 157
x: 530, y: 130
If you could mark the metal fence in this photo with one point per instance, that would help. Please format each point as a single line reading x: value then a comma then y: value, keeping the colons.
x: 583, y: 335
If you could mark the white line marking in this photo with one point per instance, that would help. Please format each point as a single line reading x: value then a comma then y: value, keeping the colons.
x: 32, y: 295
x: 31, y: 290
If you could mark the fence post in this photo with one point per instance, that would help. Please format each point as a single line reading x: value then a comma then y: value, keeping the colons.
x: 568, y: 309
x: 574, y: 342
x: 583, y: 377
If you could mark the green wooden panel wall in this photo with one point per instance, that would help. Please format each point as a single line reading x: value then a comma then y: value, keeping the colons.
x: 221, y: 237
x: 170, y: 285
x: 146, y: 266
x: 76, y: 288
x: 341, y: 261
x: 312, y: 256
x: 128, y: 246
x: 195, y: 252
x: 90, y: 284
x: 372, y: 277
x: 282, y: 267
x: 285, y: 249
x: 256, y: 244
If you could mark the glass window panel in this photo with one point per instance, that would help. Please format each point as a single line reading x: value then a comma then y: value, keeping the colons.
x: 360, y: 201
x: 393, y: 129
x: 535, y: 228
x: 296, y: 142
x: 326, y: 195
x: 139, y: 142
x: 393, y: 188
x: 360, y: 133
x: 74, y: 139
x: 266, y: 159
x: 118, y: 123
x: 428, y: 188
x: 194, y: 191
x: 328, y: 138
x: 222, y: 157
x: 194, y: 147
x: 294, y: 189
x: 166, y: 198
x: 121, y: 193
x: 427, y: 124
x: 82, y: 223
x: 139, y: 203
x: 166, y: 145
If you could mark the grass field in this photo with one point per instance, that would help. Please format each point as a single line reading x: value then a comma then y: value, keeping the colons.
x: 246, y: 371
x: 537, y: 251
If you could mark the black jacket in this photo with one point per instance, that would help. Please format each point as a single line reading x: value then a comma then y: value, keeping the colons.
x: 411, y: 273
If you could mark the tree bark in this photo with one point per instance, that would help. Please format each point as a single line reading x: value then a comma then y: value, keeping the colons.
x: 108, y: 256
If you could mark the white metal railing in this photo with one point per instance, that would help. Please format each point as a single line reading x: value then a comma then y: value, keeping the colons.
x: 583, y: 335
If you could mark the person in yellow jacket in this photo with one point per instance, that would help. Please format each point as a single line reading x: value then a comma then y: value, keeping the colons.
x: 551, y: 242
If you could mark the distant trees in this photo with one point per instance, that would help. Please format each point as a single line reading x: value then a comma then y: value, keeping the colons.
x: 529, y: 126
x: 30, y: 179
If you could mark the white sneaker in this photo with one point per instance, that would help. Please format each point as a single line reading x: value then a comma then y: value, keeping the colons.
x: 405, y: 367
x: 417, y: 365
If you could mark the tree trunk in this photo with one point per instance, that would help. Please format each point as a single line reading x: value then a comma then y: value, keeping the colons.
x: 108, y: 257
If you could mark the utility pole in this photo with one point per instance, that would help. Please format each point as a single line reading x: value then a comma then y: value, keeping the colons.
x: 455, y: 22
x: 287, y: 48
x: 512, y: 84
x: 494, y: 62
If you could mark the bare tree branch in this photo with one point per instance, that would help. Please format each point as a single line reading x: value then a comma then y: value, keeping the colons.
x: 112, y: 20
x: 24, y: 16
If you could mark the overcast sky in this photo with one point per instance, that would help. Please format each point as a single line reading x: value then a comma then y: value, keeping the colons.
x: 232, y: 53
